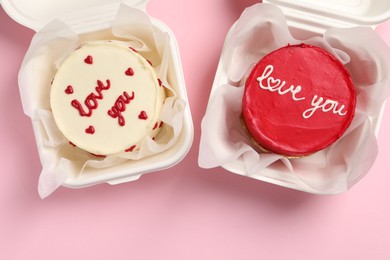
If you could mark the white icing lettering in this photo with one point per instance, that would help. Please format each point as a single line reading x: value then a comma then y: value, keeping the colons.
x: 267, y: 82
x: 274, y: 85
x: 325, y: 106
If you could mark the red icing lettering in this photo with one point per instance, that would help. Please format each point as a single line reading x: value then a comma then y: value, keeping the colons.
x: 131, y: 48
x: 129, y: 72
x: 69, y: 90
x: 91, y: 100
x: 159, y: 82
x: 142, y: 115
x: 149, y: 62
x: 90, y: 130
x: 88, y: 59
x: 130, y: 149
x: 119, y: 107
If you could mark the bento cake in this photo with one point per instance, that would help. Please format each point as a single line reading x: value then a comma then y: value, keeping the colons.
x: 106, y: 98
x: 298, y: 100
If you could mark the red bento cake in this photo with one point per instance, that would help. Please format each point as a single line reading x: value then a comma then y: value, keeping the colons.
x: 298, y: 100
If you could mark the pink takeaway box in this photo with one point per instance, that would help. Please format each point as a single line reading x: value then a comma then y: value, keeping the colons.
x: 61, y: 27
x: 343, y: 28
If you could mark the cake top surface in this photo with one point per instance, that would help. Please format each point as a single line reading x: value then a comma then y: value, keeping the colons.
x: 106, y: 98
x: 298, y: 100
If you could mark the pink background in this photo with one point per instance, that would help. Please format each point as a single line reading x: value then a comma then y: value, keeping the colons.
x: 184, y: 212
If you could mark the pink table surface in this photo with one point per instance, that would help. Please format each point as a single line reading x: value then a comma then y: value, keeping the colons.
x: 184, y: 212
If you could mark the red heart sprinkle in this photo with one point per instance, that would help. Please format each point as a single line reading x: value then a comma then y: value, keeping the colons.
x: 142, y: 115
x: 88, y: 60
x: 130, y: 149
x: 90, y: 130
x: 69, y: 90
x: 129, y: 72
x: 98, y: 155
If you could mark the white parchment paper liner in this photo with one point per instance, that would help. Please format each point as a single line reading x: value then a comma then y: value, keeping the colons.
x: 49, y: 47
x: 261, y: 29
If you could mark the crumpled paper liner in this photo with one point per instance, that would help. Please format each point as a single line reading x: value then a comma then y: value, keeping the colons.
x: 48, y: 49
x: 261, y: 29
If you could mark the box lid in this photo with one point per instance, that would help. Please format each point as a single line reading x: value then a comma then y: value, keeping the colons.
x: 318, y: 15
x: 36, y: 14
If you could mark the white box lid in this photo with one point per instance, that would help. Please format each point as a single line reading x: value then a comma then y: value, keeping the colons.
x: 318, y: 15
x: 77, y: 13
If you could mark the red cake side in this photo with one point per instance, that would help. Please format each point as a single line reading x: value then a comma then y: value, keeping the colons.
x: 298, y: 100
